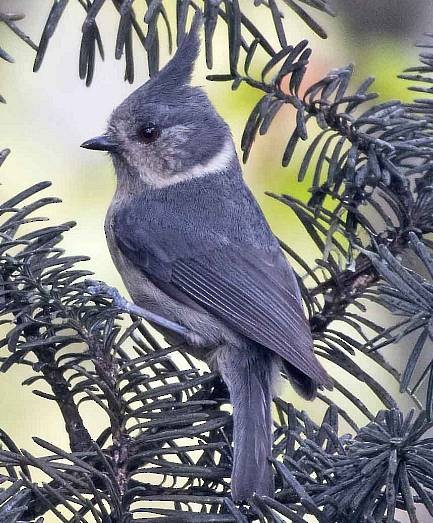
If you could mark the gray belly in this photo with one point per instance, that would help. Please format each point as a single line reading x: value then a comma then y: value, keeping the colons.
x: 142, y: 291
x: 210, y: 332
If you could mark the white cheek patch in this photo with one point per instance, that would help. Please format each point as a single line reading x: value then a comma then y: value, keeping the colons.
x: 218, y: 163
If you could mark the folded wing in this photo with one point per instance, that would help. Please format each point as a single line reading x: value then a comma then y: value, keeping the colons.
x: 257, y: 295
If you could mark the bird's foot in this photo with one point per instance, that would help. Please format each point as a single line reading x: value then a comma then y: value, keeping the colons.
x: 95, y: 287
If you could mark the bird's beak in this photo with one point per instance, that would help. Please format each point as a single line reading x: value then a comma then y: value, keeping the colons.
x: 100, y: 143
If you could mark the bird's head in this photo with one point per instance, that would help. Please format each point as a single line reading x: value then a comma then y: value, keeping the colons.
x: 167, y: 131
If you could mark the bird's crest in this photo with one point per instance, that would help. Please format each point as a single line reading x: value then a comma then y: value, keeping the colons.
x: 178, y: 71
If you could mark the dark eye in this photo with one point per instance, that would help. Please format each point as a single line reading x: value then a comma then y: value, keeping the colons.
x: 148, y: 133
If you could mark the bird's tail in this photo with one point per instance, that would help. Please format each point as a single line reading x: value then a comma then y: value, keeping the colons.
x: 247, y: 373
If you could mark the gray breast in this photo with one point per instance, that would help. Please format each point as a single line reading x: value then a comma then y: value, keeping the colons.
x: 142, y: 291
x: 210, y: 330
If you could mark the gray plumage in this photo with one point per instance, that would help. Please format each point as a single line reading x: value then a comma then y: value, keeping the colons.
x: 192, y: 245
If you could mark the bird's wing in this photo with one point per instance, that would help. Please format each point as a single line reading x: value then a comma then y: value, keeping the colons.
x: 252, y: 294
x: 252, y: 290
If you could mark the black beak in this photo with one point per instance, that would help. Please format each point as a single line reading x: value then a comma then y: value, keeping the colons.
x: 100, y: 143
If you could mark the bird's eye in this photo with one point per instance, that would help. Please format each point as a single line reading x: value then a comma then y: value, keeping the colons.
x: 148, y: 133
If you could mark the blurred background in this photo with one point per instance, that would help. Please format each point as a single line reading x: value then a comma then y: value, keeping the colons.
x: 50, y: 113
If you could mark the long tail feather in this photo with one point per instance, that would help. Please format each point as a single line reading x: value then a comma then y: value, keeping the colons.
x: 248, y: 372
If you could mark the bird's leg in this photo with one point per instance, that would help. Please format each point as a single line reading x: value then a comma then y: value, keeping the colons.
x: 95, y: 287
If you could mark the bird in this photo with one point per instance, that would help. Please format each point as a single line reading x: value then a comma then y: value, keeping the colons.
x: 193, y: 246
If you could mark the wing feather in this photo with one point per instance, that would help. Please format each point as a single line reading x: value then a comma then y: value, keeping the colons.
x: 257, y: 303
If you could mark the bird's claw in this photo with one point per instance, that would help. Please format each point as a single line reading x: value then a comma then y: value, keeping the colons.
x: 95, y: 287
